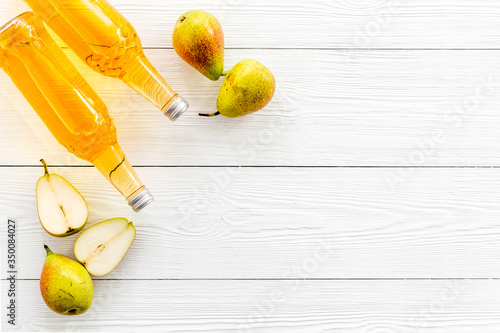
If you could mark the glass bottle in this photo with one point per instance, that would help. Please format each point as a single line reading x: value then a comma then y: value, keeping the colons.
x: 109, y: 44
x: 66, y: 103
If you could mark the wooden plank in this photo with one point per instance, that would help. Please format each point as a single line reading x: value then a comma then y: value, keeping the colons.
x: 272, y: 306
x: 319, y: 24
x: 259, y: 222
x: 390, y: 108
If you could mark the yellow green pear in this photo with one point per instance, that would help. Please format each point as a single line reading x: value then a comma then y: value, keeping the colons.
x: 199, y: 40
x: 62, y: 210
x: 248, y: 87
x: 65, y: 284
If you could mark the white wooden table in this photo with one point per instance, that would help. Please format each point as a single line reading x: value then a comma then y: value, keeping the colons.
x: 364, y: 198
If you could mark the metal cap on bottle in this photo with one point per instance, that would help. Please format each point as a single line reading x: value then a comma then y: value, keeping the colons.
x: 141, y: 200
x: 177, y: 108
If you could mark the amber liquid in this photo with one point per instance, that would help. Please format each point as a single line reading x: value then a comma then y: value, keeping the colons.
x: 106, y: 42
x: 68, y: 106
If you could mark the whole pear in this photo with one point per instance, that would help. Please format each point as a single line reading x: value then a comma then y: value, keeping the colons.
x: 199, y: 40
x: 65, y: 284
x: 248, y: 87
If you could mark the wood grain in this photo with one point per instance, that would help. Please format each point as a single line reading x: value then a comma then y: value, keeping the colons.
x: 319, y: 24
x: 389, y: 108
x: 262, y: 222
x: 353, y: 213
x: 277, y: 306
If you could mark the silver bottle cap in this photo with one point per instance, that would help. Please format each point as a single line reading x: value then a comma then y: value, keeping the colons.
x: 177, y: 108
x: 141, y: 200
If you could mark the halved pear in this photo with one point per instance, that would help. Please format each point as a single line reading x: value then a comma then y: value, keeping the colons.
x: 62, y: 210
x: 102, y: 247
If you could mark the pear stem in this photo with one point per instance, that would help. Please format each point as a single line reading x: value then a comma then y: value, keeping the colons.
x: 209, y: 114
x: 49, y: 252
x: 45, y: 166
x: 224, y: 73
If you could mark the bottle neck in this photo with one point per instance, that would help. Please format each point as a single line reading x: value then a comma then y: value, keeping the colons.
x: 114, y: 165
x: 145, y: 79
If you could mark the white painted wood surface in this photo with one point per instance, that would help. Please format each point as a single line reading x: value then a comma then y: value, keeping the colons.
x: 427, y: 227
x: 320, y: 23
x: 348, y: 213
x: 277, y: 306
x: 375, y: 109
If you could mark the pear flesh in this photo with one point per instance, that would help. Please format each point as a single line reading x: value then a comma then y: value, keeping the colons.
x: 62, y: 210
x: 199, y: 40
x: 65, y: 284
x: 101, y: 247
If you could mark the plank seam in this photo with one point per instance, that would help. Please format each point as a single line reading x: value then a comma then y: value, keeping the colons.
x: 279, y: 166
x: 330, y: 48
x: 294, y: 279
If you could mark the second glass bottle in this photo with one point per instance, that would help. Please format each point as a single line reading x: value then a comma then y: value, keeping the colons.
x: 109, y: 44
